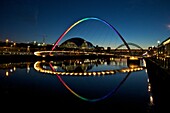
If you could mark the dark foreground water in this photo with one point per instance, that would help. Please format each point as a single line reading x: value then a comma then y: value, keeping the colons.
x: 23, y: 88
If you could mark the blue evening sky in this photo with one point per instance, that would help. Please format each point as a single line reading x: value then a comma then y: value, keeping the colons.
x: 142, y: 22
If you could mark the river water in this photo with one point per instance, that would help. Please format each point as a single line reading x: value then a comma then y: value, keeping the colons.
x: 97, y: 85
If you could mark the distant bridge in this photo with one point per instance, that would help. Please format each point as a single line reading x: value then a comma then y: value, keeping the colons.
x: 134, y: 52
x: 133, y: 44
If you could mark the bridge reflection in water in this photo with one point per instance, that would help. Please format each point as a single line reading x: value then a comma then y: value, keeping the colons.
x: 101, y: 85
x: 83, y: 67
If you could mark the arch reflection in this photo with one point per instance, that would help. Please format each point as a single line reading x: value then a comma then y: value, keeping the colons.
x: 78, y: 68
x: 56, y: 68
x: 88, y: 99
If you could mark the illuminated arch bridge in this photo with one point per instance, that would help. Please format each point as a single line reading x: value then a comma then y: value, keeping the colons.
x: 86, y: 19
x: 53, y: 53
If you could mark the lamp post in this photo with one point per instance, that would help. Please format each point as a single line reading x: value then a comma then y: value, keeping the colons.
x: 6, y: 42
x: 158, y: 48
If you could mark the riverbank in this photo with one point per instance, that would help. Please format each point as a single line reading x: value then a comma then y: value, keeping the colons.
x: 159, y: 78
x: 33, y: 58
x: 162, y: 64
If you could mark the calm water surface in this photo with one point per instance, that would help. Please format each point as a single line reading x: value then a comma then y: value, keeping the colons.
x: 23, y: 86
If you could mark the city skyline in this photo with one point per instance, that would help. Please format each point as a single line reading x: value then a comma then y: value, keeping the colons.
x: 142, y: 22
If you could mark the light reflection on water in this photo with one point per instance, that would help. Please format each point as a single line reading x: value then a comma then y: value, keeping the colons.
x: 119, y: 89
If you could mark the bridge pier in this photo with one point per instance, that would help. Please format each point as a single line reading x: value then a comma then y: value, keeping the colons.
x: 133, y: 61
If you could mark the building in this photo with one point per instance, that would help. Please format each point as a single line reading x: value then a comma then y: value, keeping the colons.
x: 164, y: 48
x: 76, y: 43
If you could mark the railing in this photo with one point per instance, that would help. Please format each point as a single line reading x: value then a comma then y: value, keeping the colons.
x: 163, y: 62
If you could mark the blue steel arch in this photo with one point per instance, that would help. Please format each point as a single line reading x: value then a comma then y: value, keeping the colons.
x: 133, y: 44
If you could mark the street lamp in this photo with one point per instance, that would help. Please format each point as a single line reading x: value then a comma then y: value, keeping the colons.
x: 158, y: 42
x: 6, y: 40
x: 158, y: 47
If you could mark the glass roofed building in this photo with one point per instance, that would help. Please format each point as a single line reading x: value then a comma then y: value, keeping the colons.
x: 77, y: 43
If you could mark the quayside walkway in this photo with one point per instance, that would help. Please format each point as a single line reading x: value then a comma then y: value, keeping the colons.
x: 159, y: 78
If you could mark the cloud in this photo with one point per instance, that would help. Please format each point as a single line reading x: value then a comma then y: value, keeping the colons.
x: 168, y: 26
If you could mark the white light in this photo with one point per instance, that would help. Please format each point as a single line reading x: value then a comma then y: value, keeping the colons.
x: 158, y: 41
